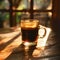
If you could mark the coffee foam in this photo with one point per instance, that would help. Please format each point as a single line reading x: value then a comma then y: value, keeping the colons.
x: 29, y: 24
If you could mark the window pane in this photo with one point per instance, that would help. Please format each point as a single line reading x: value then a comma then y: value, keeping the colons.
x: 42, y: 4
x: 24, y: 4
x: 43, y: 17
x: 4, y: 4
x: 25, y: 15
x: 4, y: 19
x: 21, y: 15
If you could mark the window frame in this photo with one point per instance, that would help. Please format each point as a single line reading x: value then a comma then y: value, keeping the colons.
x: 12, y: 19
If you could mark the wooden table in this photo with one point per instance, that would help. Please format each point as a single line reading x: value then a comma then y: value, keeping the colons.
x: 9, y: 40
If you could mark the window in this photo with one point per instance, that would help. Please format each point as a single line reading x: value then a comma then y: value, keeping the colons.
x: 16, y: 10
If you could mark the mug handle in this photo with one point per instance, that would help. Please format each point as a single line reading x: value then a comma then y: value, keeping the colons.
x: 44, y: 32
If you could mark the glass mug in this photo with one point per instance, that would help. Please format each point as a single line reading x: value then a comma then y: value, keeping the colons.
x: 29, y: 29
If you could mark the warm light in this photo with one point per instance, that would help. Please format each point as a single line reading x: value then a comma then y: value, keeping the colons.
x: 50, y: 14
x: 26, y: 43
x: 8, y: 36
x: 8, y: 49
x: 27, y: 13
x: 35, y: 7
x: 29, y: 0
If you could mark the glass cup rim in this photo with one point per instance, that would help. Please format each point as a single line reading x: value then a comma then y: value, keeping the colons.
x: 30, y: 20
x: 29, y: 23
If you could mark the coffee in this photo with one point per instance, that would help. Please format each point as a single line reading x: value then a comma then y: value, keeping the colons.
x: 29, y: 30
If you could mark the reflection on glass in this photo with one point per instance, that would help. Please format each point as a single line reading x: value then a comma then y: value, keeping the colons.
x: 4, y: 4
x: 21, y: 15
x: 25, y: 15
x: 43, y: 17
x: 50, y: 14
x: 50, y: 5
x: 24, y: 4
x: 42, y: 4
x: 4, y: 19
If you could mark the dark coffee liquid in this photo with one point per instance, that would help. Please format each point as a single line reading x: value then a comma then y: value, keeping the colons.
x: 29, y: 34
